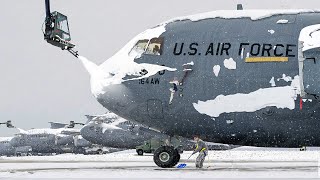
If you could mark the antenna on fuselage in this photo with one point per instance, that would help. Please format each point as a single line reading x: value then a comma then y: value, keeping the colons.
x: 239, y: 7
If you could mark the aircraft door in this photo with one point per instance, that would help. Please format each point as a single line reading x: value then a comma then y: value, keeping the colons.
x: 309, y: 69
x: 309, y: 57
x: 311, y: 72
x: 155, y: 109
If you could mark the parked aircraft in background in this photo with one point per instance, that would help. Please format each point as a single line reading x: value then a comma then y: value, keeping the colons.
x: 113, y: 131
x: 60, y: 138
x: 6, y: 149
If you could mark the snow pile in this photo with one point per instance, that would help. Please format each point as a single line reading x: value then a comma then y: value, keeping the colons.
x: 230, y: 63
x: 232, y: 14
x: 280, y: 97
x: 122, y: 64
x: 282, y: 21
x: 216, y: 70
x: 310, y: 37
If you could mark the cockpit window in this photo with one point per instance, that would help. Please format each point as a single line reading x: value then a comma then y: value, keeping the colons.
x: 155, y: 46
x: 140, y: 47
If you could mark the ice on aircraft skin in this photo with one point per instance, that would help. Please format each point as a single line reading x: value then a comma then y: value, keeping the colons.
x: 122, y: 64
x: 282, y: 21
x: 285, y: 78
x: 216, y: 70
x: 190, y: 63
x: 280, y: 97
x: 310, y: 36
x: 229, y: 121
x: 272, y: 82
x: 230, y: 63
x: 271, y: 31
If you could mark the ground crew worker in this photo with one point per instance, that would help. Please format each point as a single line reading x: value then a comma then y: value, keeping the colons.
x: 202, y: 148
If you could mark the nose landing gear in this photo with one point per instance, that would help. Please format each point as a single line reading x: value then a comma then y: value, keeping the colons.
x: 166, y: 156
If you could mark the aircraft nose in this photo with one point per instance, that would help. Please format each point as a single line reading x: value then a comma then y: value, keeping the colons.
x: 14, y: 142
x: 105, y: 134
x: 89, y: 133
x: 117, y: 98
x: 108, y: 88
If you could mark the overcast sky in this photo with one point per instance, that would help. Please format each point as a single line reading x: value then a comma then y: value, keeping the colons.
x: 41, y: 83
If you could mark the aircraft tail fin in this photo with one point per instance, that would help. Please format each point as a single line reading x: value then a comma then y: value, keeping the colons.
x: 21, y: 131
x: 239, y: 7
x: 55, y: 125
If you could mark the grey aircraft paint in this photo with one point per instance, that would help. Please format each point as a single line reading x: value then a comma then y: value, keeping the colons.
x: 148, y: 103
x: 128, y: 135
x: 124, y: 135
x: 6, y: 148
x: 45, y: 141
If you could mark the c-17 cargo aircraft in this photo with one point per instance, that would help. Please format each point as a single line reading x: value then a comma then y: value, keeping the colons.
x: 6, y: 148
x: 110, y: 130
x: 245, y: 77
x: 113, y: 131
x: 60, y: 138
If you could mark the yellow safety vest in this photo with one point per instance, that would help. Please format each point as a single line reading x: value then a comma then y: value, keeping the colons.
x: 201, y: 149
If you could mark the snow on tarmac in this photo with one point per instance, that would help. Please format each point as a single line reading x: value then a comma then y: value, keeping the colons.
x: 240, y: 163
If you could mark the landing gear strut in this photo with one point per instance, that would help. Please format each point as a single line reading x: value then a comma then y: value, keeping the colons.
x: 166, y: 156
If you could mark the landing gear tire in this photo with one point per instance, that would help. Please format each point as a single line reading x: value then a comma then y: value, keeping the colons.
x: 166, y: 157
x: 99, y: 151
x: 177, y: 158
x: 140, y: 152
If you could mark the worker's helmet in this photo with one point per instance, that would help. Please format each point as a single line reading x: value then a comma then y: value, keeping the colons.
x: 196, y: 136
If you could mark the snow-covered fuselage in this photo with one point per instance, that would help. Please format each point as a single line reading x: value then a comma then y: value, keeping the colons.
x: 243, y: 77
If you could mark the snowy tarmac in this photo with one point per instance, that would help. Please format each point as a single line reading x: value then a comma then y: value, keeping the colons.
x: 237, y: 163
